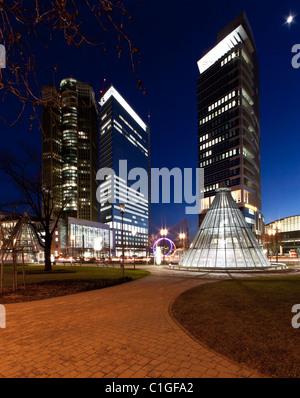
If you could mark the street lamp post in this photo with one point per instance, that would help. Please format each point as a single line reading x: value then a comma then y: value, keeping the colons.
x: 274, y: 232
x: 134, y: 232
x: 72, y: 246
x: 164, y: 233
x: 277, y: 228
x: 182, y: 237
x: 122, y: 211
x: 270, y: 233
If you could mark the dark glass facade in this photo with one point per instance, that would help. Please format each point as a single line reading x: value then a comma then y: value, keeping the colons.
x: 123, y: 136
x: 229, y: 121
x: 52, y: 161
x: 70, y: 147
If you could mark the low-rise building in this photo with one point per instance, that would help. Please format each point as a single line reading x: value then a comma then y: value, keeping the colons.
x: 72, y: 237
x: 288, y: 230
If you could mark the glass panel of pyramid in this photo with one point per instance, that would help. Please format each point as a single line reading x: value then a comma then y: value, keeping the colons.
x: 224, y: 239
x: 20, y: 236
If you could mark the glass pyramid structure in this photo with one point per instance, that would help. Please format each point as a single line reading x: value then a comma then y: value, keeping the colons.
x: 224, y: 239
x: 19, y: 236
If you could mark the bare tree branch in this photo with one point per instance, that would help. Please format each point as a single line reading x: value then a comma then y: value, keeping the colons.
x: 37, y: 196
x: 20, y: 22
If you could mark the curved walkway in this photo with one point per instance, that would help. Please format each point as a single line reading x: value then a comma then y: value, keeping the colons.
x: 123, y: 331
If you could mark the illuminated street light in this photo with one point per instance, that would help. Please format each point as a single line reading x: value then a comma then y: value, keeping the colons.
x: 164, y: 233
x: 182, y: 237
x: 290, y: 19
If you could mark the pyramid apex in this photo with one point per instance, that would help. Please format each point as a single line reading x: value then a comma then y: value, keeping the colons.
x: 223, y: 188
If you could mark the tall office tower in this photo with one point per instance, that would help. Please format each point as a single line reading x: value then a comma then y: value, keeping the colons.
x: 229, y: 121
x: 123, y: 137
x: 70, y: 130
x: 52, y: 162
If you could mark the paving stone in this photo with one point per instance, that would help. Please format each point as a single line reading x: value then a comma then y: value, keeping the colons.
x: 121, y: 331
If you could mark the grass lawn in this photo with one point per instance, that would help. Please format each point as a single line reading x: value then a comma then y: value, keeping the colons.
x: 61, y: 281
x: 246, y: 320
x: 35, y: 274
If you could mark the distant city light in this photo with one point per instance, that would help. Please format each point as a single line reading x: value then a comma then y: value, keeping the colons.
x: 164, y: 232
x: 156, y: 246
x: 98, y: 244
x: 158, y: 256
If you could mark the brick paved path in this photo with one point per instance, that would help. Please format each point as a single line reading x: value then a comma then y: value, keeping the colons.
x: 122, y: 331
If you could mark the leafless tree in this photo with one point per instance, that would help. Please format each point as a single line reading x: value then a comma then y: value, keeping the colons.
x: 151, y: 239
x: 182, y: 228
x: 24, y: 20
x: 38, y: 198
x: 272, y: 243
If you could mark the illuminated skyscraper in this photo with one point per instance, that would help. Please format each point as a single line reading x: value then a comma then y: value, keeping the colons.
x: 70, y: 147
x: 229, y: 120
x: 123, y: 136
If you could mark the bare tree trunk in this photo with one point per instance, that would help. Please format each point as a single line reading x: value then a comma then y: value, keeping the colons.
x: 48, y: 244
x: 15, y: 272
x: 13, y: 269
x: 23, y: 269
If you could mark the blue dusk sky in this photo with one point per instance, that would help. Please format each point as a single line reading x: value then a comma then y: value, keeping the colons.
x: 172, y: 37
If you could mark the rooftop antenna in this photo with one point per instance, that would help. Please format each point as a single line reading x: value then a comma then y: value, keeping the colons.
x: 102, y: 91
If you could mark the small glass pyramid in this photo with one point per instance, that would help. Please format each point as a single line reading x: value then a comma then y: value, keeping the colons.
x: 19, y: 236
x: 224, y: 239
